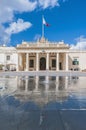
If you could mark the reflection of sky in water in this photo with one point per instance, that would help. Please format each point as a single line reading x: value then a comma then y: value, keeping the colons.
x: 42, y: 103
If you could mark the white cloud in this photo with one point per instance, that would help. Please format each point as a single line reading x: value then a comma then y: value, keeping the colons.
x: 81, y: 43
x: 37, y: 37
x: 48, y: 3
x: 16, y: 27
x: 4, y: 38
x: 8, y: 8
x: 7, y: 13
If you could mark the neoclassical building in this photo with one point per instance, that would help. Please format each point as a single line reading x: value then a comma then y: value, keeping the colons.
x: 42, y: 55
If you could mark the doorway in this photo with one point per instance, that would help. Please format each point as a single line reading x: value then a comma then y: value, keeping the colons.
x: 43, y: 63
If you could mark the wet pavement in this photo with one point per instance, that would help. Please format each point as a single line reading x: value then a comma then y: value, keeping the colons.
x: 42, y: 103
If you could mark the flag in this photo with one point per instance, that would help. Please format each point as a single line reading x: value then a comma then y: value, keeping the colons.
x: 45, y: 23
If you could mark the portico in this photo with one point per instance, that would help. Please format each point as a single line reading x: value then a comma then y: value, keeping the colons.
x: 42, y: 56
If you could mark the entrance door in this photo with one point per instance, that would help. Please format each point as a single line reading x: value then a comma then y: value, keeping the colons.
x: 42, y: 63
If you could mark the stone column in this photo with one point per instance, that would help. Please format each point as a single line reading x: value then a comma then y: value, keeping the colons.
x: 20, y: 60
x: 17, y: 63
x: 47, y: 62
x: 37, y: 61
x: 57, y: 62
x: 27, y: 61
x: 66, y: 64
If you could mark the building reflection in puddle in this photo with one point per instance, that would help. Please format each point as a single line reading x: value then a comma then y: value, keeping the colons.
x: 42, y: 86
x: 44, y: 89
x: 8, y: 85
x: 39, y: 103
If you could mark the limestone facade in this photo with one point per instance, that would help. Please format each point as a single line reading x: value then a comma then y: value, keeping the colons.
x: 43, y: 55
x: 8, y: 58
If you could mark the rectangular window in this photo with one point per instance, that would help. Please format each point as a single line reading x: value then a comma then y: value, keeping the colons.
x: 53, y: 63
x: 75, y: 62
x: 31, y: 63
x: 8, y: 57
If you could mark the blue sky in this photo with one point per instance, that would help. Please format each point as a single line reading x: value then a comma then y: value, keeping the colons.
x: 67, y: 19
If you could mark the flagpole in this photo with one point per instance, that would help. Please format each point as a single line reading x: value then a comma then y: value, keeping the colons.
x: 42, y: 27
